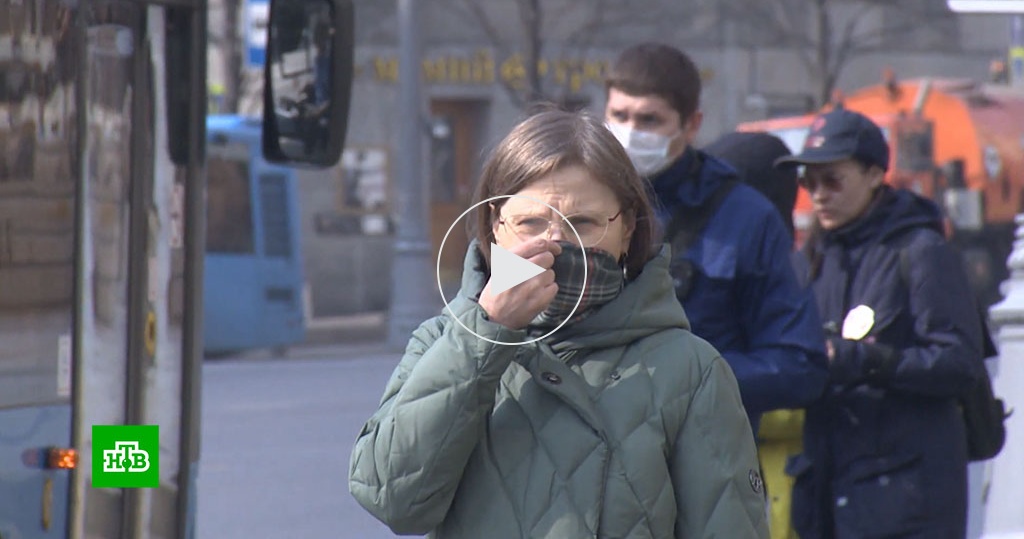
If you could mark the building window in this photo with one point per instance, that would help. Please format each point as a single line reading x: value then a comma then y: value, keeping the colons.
x: 229, y: 227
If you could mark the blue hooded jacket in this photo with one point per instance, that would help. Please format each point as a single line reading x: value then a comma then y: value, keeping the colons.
x: 885, y: 450
x: 745, y: 299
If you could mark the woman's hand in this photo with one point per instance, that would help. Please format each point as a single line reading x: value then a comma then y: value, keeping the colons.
x: 516, y: 307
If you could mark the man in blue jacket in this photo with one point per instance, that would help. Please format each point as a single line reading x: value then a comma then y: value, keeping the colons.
x: 732, y: 251
x: 885, y: 451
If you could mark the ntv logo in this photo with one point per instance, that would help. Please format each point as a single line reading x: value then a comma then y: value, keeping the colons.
x: 125, y: 456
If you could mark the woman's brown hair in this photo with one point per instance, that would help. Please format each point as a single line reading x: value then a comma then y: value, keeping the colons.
x: 551, y: 140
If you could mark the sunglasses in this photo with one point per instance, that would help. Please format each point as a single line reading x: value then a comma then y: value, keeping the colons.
x: 830, y: 182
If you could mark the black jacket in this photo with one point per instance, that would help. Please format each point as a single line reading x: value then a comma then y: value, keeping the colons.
x: 885, y: 449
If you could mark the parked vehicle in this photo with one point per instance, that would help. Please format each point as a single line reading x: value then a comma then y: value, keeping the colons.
x: 253, y: 277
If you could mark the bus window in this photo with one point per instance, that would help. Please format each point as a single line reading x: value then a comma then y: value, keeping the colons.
x: 276, y: 231
x: 228, y: 207
x: 37, y: 211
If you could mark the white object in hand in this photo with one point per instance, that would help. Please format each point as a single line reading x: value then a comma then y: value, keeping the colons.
x: 858, y: 323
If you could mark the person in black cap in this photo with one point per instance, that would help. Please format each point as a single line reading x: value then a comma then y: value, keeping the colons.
x: 885, y: 451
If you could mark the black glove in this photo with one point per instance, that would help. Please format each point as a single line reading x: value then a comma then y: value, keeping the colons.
x: 857, y: 362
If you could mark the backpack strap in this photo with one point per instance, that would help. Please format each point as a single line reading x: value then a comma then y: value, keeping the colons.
x: 688, y: 222
x: 686, y: 225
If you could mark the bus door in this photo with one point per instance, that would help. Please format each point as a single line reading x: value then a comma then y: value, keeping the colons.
x: 137, y: 360
x: 230, y: 299
x: 281, y: 261
x: 253, y: 275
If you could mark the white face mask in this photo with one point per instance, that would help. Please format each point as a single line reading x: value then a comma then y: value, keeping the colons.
x: 648, y: 151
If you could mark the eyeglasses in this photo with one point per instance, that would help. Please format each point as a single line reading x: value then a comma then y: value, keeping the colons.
x: 829, y: 181
x: 591, y: 228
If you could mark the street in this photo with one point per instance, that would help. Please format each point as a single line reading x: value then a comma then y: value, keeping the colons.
x: 276, y: 440
x: 277, y: 435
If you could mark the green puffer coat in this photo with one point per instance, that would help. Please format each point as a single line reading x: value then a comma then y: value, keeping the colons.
x: 625, y: 425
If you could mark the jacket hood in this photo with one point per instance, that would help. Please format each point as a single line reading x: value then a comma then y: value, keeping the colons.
x: 646, y: 305
x: 893, y: 212
x: 752, y: 155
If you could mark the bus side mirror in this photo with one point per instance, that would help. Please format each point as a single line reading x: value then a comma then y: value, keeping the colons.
x: 307, y: 81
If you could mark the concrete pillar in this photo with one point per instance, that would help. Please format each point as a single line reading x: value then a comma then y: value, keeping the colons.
x: 1004, y: 505
x: 979, y: 479
x: 414, y: 293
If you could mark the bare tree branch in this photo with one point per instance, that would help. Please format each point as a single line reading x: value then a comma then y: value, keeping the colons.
x: 844, y: 49
x: 501, y: 48
x: 770, y: 16
x: 478, y: 13
x: 873, y: 34
x: 826, y: 35
x: 583, y: 37
x: 565, y: 9
x: 787, y: 15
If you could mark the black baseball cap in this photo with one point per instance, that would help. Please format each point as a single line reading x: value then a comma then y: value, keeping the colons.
x: 842, y: 134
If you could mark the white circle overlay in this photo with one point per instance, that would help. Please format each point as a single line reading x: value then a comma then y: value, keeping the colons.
x: 441, y: 250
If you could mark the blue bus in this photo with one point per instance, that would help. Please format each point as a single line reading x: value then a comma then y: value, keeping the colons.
x: 253, y: 277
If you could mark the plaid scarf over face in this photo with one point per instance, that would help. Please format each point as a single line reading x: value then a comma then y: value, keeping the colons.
x: 604, y: 281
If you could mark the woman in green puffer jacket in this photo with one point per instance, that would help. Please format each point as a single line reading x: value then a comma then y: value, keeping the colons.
x: 576, y: 404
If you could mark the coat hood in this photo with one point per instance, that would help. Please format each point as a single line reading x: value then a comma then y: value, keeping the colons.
x: 646, y: 305
x: 753, y: 155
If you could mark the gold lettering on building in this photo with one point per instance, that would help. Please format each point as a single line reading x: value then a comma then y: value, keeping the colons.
x: 386, y: 69
x: 434, y: 70
x: 513, y: 71
x: 481, y: 68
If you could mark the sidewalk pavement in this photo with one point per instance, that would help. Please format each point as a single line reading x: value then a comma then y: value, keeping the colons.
x: 344, y: 337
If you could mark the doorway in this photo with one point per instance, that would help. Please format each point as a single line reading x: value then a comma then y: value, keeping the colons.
x: 455, y: 151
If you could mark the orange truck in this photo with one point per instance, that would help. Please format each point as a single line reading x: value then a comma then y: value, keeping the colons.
x: 957, y: 141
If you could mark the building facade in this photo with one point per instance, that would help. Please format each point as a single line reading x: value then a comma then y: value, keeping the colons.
x: 474, y: 59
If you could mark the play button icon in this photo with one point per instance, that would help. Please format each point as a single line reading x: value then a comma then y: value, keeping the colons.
x: 509, y: 269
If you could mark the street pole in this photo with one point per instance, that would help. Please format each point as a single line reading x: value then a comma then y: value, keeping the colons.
x: 414, y: 294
